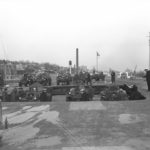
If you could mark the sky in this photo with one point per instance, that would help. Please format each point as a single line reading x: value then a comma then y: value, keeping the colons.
x: 51, y: 30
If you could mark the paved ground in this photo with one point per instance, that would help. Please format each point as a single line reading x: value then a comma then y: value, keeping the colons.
x: 95, y: 125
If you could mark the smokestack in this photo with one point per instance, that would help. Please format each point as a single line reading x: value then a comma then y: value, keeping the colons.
x: 77, y: 60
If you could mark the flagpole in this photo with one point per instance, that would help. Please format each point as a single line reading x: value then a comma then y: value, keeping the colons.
x: 96, y: 62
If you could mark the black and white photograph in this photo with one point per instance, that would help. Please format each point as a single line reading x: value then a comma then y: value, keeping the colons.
x: 74, y: 75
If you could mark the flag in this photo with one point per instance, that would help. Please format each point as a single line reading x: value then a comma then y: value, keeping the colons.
x: 98, y: 54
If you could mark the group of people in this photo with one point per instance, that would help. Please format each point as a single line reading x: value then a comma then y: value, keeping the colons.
x: 80, y: 93
x: 83, y: 78
x: 20, y: 94
x: 29, y: 79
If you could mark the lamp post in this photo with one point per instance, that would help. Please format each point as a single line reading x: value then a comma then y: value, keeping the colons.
x: 97, y: 56
x: 70, y: 66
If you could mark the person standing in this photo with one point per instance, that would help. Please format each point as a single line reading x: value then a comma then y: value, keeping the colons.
x: 88, y: 79
x: 113, y: 76
x: 148, y: 79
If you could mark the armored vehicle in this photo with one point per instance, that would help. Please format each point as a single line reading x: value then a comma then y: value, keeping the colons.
x: 63, y: 79
x: 44, y: 79
x: 98, y: 76
x: 35, y: 92
x: 80, y: 94
x: 27, y: 80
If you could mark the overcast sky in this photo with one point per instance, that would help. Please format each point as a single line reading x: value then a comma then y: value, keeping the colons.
x: 51, y: 30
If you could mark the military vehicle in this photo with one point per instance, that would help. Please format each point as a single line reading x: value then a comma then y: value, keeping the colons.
x: 27, y: 80
x: 42, y: 78
x: 98, y: 76
x: 80, y: 94
x: 123, y: 75
x: 63, y: 79
x: 35, y: 92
